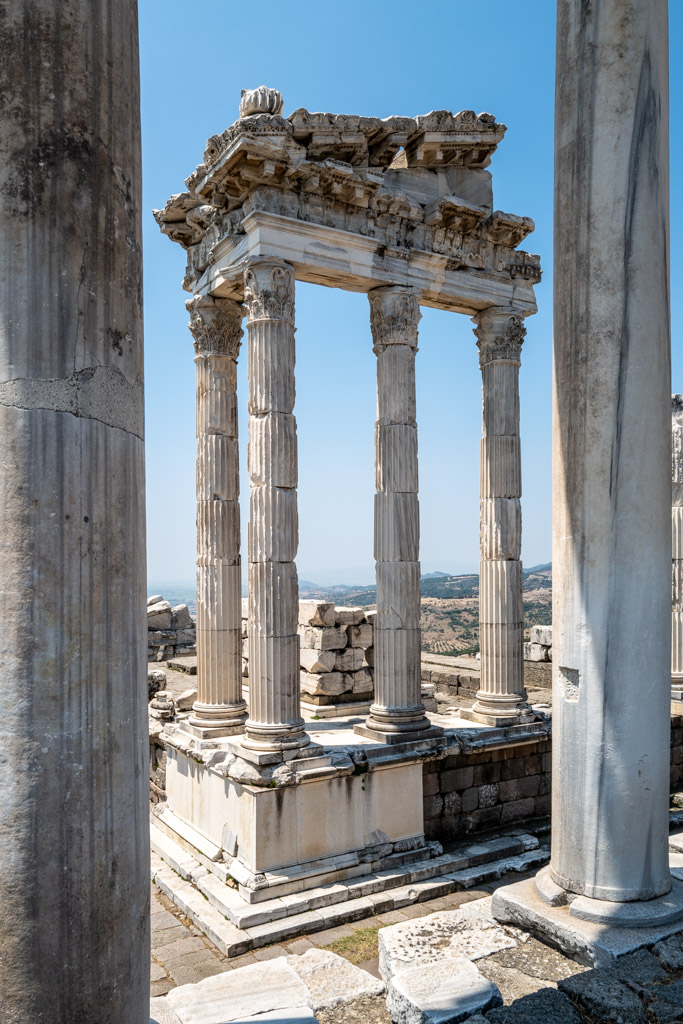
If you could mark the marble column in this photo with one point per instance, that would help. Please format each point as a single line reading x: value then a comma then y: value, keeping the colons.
x: 611, y: 453
x: 275, y: 723
x: 501, y: 697
x: 74, y: 809
x: 397, y: 713
x: 216, y: 326
x: 677, y: 547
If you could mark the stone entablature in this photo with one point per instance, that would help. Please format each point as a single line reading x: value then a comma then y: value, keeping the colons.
x: 412, y: 191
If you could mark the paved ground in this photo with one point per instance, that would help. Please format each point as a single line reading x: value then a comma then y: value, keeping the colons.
x: 182, y: 955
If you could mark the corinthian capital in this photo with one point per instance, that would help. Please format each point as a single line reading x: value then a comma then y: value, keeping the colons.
x: 500, y: 334
x: 394, y: 316
x: 269, y: 290
x: 215, y: 325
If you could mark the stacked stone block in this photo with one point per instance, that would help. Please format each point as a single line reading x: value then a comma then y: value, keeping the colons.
x: 336, y: 653
x: 540, y: 646
x: 170, y: 630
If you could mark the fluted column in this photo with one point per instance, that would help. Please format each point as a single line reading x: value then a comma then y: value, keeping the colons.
x: 275, y: 721
x: 397, y: 713
x: 677, y: 547
x: 501, y: 697
x: 216, y: 326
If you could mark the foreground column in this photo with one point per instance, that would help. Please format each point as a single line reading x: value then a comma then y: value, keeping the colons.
x: 501, y: 698
x: 398, y: 713
x: 275, y: 721
x: 219, y: 710
x: 74, y: 833
x: 677, y: 547
x: 611, y: 453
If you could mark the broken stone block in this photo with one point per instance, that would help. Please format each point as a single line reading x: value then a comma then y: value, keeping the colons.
x: 181, y: 617
x: 332, y: 980
x: 322, y: 683
x: 186, y: 699
x: 159, y: 615
x: 361, y: 681
x: 324, y: 639
x: 535, y: 652
x: 370, y: 657
x: 316, y: 613
x: 360, y: 636
x: 316, y: 661
x: 350, y: 659
x: 541, y: 635
x: 154, y: 599
x: 350, y: 616
x: 156, y: 680
x: 186, y: 636
x: 450, y: 990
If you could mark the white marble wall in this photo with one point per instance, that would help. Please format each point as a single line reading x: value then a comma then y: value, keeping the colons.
x: 677, y: 546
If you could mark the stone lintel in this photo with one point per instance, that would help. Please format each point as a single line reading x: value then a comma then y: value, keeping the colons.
x: 338, y: 258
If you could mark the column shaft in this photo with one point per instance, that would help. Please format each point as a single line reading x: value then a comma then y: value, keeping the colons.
x: 275, y: 721
x: 74, y: 833
x: 398, y: 712
x: 501, y: 697
x: 219, y: 710
x: 611, y: 452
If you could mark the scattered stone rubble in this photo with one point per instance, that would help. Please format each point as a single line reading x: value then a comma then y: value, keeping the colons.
x: 170, y: 631
x: 336, y: 653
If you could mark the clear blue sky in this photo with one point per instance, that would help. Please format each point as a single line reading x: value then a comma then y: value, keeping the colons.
x: 376, y: 58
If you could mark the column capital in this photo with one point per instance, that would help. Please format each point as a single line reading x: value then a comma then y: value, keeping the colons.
x: 215, y: 325
x: 269, y: 290
x: 500, y: 333
x: 394, y: 316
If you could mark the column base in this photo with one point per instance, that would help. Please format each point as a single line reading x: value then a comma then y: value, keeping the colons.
x: 594, y: 932
x: 499, y: 710
x: 211, y: 721
x: 282, y: 739
x: 397, y: 725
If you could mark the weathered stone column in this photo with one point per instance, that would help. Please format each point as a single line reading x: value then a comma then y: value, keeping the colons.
x: 611, y: 452
x: 74, y: 834
x: 677, y: 547
x: 216, y: 326
x: 501, y: 698
x: 275, y: 721
x: 398, y: 712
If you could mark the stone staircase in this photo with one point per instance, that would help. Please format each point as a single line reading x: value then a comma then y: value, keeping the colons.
x: 236, y: 926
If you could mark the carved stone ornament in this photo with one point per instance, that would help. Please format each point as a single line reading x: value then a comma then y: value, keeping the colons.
x: 500, y: 335
x: 260, y: 101
x: 677, y: 441
x: 269, y: 291
x: 394, y: 316
x: 216, y: 326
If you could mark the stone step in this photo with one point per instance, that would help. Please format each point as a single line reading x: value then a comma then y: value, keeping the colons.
x: 236, y: 926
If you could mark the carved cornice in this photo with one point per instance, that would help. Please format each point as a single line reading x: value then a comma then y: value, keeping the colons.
x: 216, y: 326
x: 394, y: 316
x: 500, y: 335
x: 269, y: 291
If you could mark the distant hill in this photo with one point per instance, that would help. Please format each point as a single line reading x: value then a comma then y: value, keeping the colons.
x: 433, y: 575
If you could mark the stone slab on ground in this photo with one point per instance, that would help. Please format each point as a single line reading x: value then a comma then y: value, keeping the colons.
x: 596, y: 945
x: 161, y: 1013
x: 446, y: 991
x: 368, y: 1010
x: 466, y: 932
x: 237, y: 995
x: 331, y: 980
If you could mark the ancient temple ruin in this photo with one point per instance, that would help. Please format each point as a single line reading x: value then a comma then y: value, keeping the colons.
x: 402, y: 209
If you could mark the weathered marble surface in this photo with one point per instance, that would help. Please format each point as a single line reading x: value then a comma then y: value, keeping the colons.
x: 611, y: 452
x: 74, y: 837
